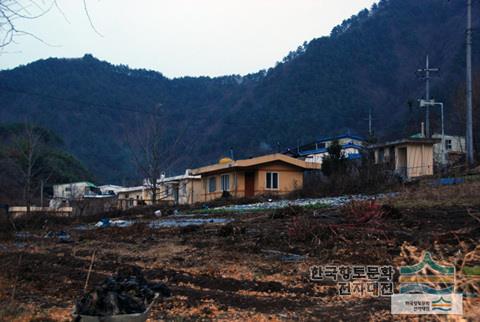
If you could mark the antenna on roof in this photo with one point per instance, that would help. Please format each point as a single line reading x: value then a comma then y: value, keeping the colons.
x: 370, y: 120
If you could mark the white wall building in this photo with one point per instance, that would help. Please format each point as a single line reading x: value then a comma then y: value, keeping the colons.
x: 454, y: 146
x: 76, y: 190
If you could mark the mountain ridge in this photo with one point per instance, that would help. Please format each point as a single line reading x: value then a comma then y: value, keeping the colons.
x: 325, y: 87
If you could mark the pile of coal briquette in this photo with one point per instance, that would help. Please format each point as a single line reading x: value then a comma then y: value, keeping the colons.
x: 127, y: 292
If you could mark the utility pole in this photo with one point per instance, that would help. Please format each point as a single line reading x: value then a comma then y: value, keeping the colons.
x: 427, y: 72
x: 425, y: 103
x: 469, y: 134
x: 41, y: 193
x: 370, y: 130
x: 370, y: 120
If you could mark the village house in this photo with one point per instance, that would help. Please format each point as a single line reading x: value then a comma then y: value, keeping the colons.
x: 75, y: 190
x: 275, y: 174
x: 409, y: 158
x: 179, y: 190
x: 352, y: 147
x: 453, y: 149
x: 448, y: 151
x: 132, y: 197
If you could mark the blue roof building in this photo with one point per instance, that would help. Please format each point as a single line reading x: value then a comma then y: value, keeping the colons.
x: 352, y: 146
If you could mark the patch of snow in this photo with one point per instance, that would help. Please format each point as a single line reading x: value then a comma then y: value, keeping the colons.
x: 330, y: 202
x: 171, y: 223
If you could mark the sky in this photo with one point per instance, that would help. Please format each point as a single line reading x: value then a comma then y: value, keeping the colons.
x: 180, y: 37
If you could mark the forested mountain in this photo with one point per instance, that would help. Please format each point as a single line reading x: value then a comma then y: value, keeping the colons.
x: 325, y: 87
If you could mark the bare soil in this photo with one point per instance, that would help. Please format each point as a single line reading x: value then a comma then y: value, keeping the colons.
x: 235, y: 271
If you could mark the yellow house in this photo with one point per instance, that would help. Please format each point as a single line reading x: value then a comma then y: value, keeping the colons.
x: 275, y: 174
x: 410, y: 158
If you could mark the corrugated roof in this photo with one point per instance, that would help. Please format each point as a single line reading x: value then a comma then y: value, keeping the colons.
x: 405, y: 141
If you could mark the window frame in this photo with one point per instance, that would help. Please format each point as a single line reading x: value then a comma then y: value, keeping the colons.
x: 225, y: 178
x: 212, y: 183
x: 271, y: 182
x: 448, y: 144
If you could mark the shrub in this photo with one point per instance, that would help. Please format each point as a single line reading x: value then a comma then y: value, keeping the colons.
x: 302, y: 228
x: 361, y: 212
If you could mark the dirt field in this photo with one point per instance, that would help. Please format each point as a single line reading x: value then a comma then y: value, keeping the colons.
x: 255, y: 268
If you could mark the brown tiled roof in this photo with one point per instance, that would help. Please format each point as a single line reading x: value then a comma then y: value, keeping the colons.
x: 257, y: 161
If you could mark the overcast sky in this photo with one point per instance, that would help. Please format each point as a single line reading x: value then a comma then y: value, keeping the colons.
x: 182, y: 37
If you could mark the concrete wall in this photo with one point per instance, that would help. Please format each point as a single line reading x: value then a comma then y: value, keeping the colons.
x: 289, y: 179
x: 190, y: 191
x: 70, y: 190
x: 457, y: 146
x: 237, y: 186
x: 19, y: 211
x: 131, y: 199
x: 419, y: 160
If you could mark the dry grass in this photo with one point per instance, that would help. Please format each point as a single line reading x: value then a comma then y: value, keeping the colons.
x: 466, y: 194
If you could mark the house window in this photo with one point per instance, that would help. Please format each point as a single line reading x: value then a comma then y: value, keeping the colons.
x: 448, y: 145
x: 212, y: 184
x: 381, y: 155
x: 272, y: 180
x: 225, y: 182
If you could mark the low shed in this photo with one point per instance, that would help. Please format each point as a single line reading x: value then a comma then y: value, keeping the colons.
x: 410, y: 158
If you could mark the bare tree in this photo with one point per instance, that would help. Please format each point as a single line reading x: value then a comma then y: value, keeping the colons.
x: 13, y: 11
x: 153, y: 149
x: 27, y: 156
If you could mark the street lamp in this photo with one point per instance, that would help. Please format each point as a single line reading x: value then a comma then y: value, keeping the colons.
x: 426, y: 103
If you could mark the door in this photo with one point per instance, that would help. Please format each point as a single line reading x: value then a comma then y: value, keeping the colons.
x: 402, y: 162
x: 175, y: 194
x: 249, y: 184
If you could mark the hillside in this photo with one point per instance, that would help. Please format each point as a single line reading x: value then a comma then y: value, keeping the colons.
x: 29, y: 155
x: 325, y: 87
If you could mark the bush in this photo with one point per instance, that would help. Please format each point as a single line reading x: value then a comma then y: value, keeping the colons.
x: 357, y: 177
x: 360, y: 212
